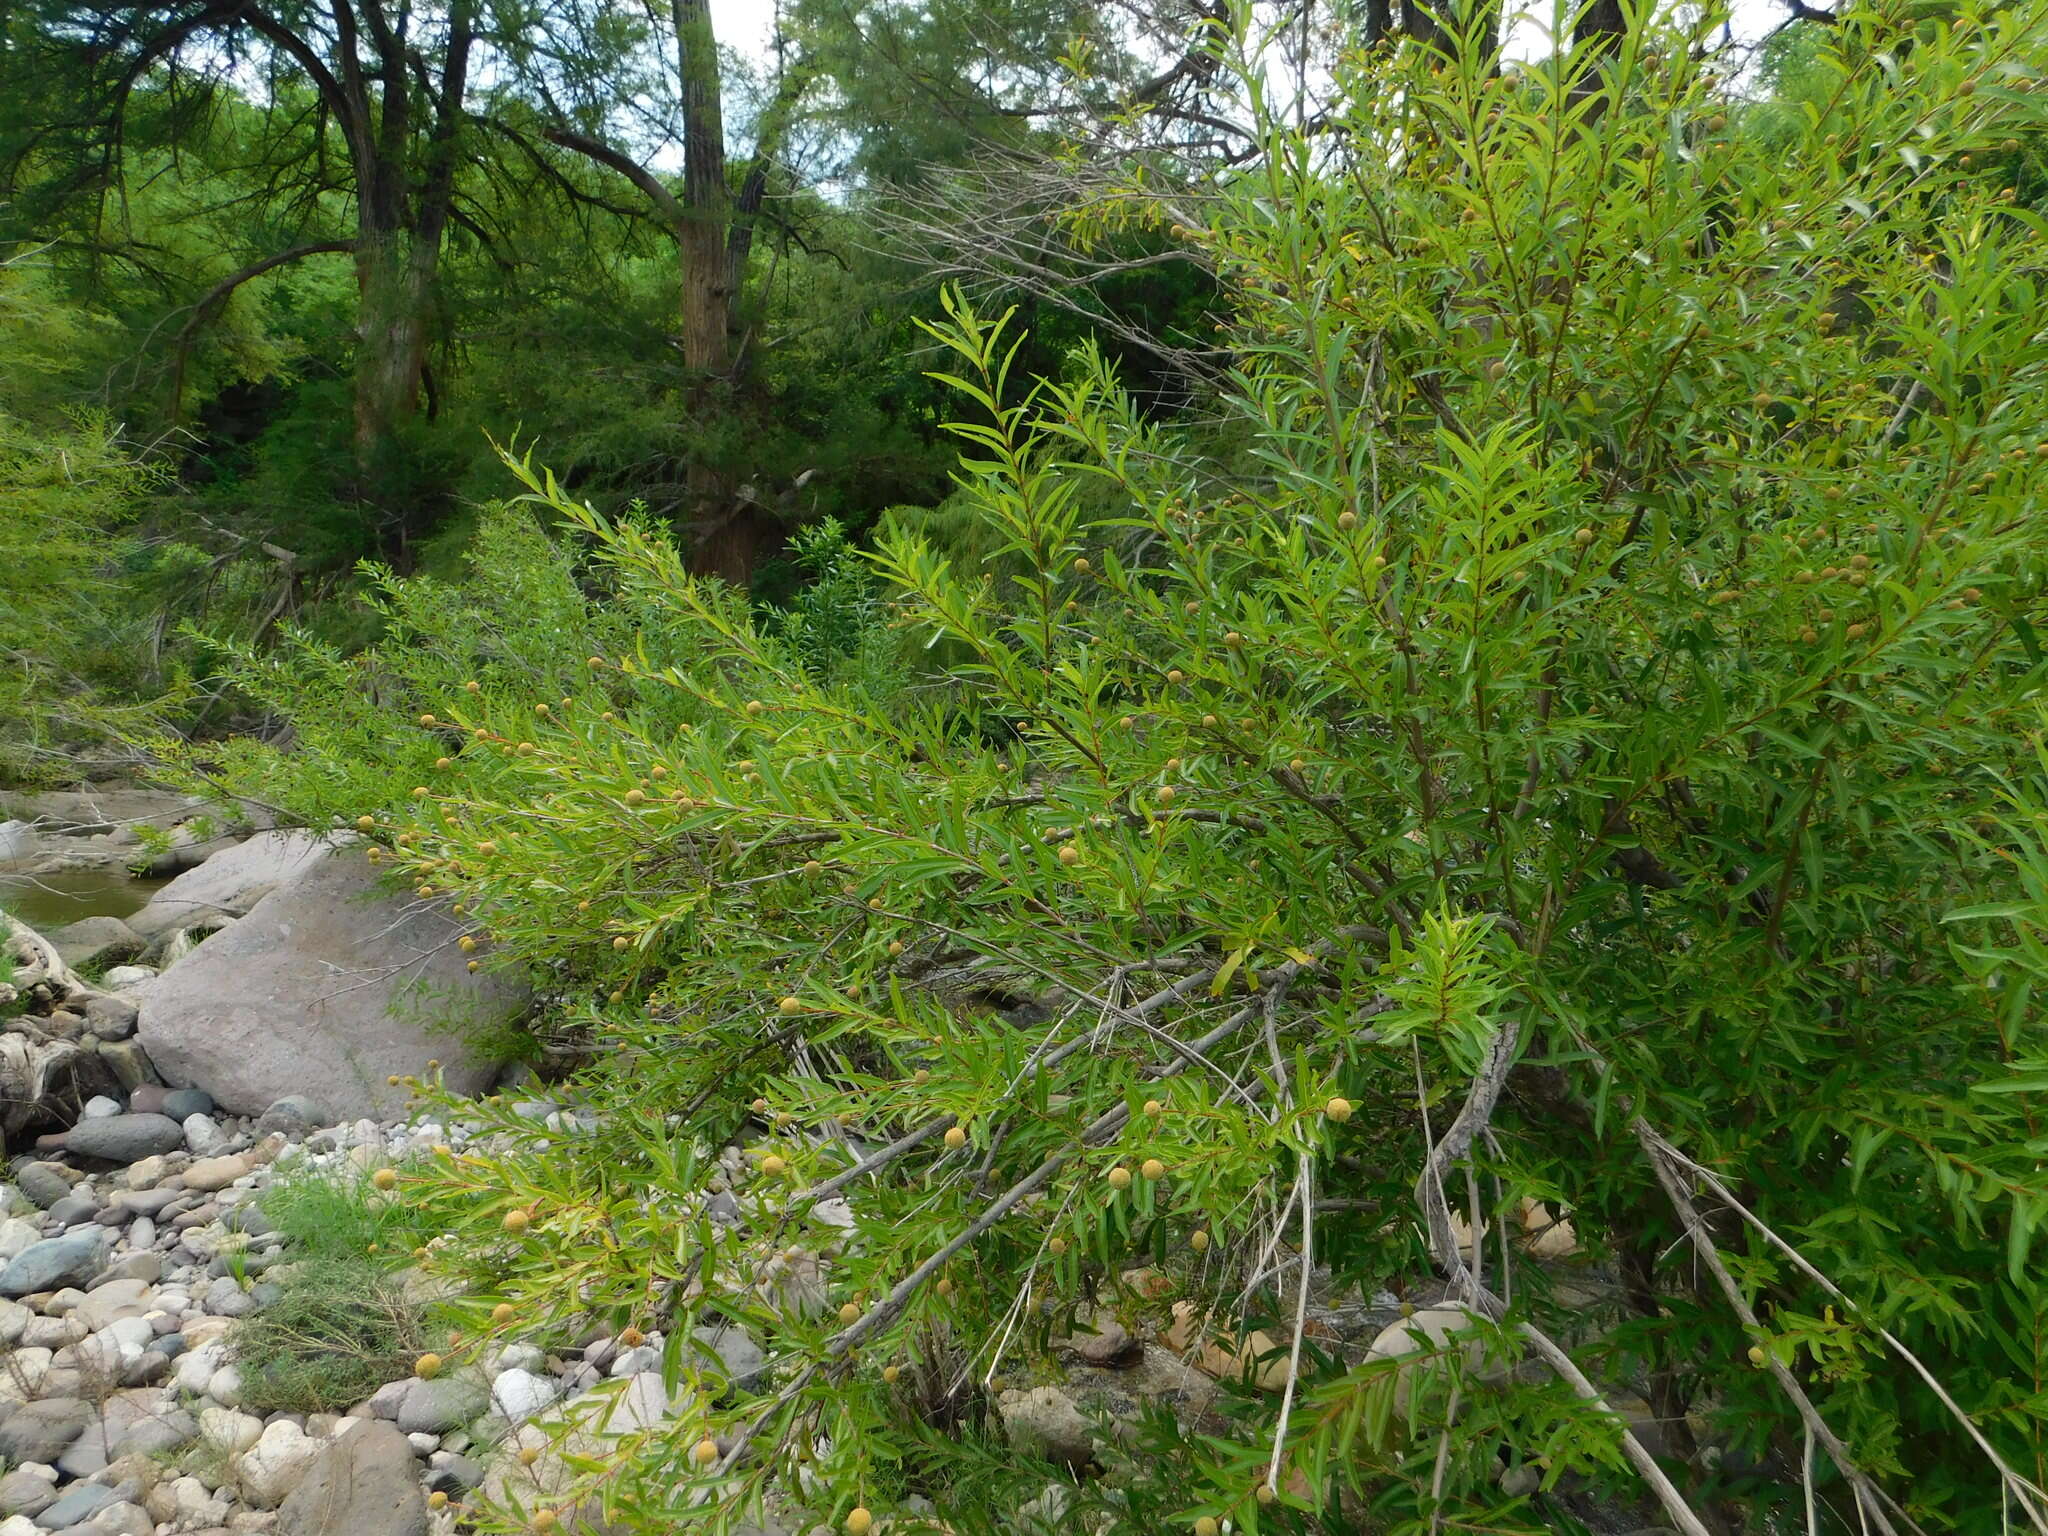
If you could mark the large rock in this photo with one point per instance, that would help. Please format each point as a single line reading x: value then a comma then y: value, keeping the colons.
x: 124, y: 1138
x: 96, y: 941
x: 363, y: 1484
x: 326, y: 988
x: 54, y: 1263
x: 39, y: 1432
x: 230, y: 883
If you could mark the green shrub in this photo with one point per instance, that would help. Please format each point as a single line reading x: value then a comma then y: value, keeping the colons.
x: 345, y: 1320
x: 1591, y: 734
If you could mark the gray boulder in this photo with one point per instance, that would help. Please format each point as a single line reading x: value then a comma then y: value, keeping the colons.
x: 96, y: 941
x: 125, y: 1138
x: 43, y: 1183
x: 40, y: 1432
x: 444, y: 1403
x: 55, y: 1262
x: 363, y: 1484
x: 230, y: 883
x: 330, y: 985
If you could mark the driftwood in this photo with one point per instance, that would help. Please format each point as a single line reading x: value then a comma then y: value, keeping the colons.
x: 39, y: 1067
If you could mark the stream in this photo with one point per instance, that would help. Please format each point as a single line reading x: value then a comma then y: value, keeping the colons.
x: 50, y: 901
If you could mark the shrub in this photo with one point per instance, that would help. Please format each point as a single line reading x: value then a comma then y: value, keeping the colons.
x: 1590, y: 736
x: 345, y: 1321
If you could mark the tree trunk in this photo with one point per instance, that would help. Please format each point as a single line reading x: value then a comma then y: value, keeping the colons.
x: 707, y: 292
x: 393, y: 286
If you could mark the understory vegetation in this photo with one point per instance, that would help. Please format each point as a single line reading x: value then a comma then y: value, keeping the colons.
x: 1562, y: 724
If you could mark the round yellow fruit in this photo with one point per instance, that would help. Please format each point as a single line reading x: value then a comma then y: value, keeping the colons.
x: 622, y: 942
x: 1119, y: 1177
x: 1338, y: 1110
x: 466, y: 944
x: 850, y: 1313
x: 1153, y: 1168
x: 956, y: 1138
x: 773, y: 1166
x: 517, y: 1222
x: 503, y: 1313
x: 474, y: 967
x: 384, y: 1178
x: 944, y: 1287
x: 546, y: 1520
x: 704, y: 1452
x: 365, y: 823
x: 1056, y: 1246
x: 1207, y: 1526
x: 756, y: 707
x: 1199, y: 1240
x: 632, y: 1338
x: 437, y: 1500
x: 426, y: 719
x: 891, y: 1372
x: 528, y: 1455
x: 1070, y: 855
x: 1154, y: 1108
x: 427, y: 1367
x: 859, y: 1522
x: 791, y: 1005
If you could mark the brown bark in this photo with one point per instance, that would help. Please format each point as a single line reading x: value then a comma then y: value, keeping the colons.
x: 707, y: 289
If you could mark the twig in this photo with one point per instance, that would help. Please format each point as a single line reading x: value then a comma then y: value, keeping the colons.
x: 1867, y: 1492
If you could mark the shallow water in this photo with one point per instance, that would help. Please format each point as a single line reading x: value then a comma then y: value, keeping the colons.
x: 50, y: 901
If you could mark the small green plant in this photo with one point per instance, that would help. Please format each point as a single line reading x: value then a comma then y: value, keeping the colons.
x: 344, y: 1321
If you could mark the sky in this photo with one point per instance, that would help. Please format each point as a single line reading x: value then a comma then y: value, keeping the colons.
x: 747, y: 25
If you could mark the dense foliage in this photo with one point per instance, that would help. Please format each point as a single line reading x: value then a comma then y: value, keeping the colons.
x: 1583, y: 748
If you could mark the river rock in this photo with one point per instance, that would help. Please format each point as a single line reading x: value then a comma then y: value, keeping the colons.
x: 183, y: 1103
x: 27, y: 1491
x: 73, y: 1259
x: 326, y: 988
x: 78, y: 1504
x: 96, y: 942
x: 212, y: 1173
x: 125, y: 1138
x: 271, y: 1468
x: 363, y: 1484
x: 44, y: 1183
x: 41, y: 1431
x: 230, y: 883
x: 1043, y: 1421
x: 444, y: 1403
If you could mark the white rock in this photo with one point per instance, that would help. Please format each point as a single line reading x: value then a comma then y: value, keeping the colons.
x: 204, y: 1135
x: 124, y: 1519
x: 226, y: 1386
x: 521, y: 1357
x: 13, y: 1319
x: 519, y: 1394
x: 229, y: 1431
x: 19, y: 1525
x: 635, y: 1361
x: 195, y: 1368
x: 422, y: 1443
x: 117, y: 1347
x: 17, y: 1235
x: 121, y: 977
x: 272, y: 1467
x: 100, y: 1107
